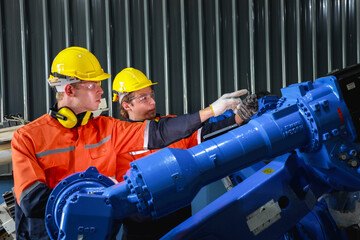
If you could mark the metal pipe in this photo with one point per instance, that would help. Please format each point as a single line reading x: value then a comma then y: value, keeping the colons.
x: 343, y: 33
x: 201, y: 55
x: 23, y: 60
x: 166, y: 60
x: 147, y: 39
x: 251, y: 45
x: 87, y: 25
x: 218, y: 56
x: 328, y: 34
x: 358, y: 30
x: 235, y: 44
x: 298, y: 42
x: 108, y: 54
x: 267, y: 47
x: 67, y: 23
x: 314, y: 37
x: 283, y: 46
x: 2, y: 67
x: 127, y: 34
x: 183, y: 54
x: 46, y: 52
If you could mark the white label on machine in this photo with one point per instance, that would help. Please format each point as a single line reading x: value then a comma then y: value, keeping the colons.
x: 350, y: 86
x: 263, y: 217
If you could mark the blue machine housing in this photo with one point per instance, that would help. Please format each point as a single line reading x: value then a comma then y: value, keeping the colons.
x: 80, y: 220
x: 312, y: 134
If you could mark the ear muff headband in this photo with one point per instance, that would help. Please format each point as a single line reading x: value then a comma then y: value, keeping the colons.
x: 86, y: 118
x: 67, y: 117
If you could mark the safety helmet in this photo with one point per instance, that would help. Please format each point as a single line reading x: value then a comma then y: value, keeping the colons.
x: 129, y: 80
x: 74, y: 64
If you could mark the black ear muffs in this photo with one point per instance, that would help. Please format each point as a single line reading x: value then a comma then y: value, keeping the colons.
x: 68, y: 118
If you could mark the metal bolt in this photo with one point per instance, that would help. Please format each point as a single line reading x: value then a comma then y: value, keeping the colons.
x: 325, y: 103
x: 335, y: 132
x: 326, y: 136
x: 342, y: 156
x: 353, y: 163
x: 353, y: 152
x: 315, y: 107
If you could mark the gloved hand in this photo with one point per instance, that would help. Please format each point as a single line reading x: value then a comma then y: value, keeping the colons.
x: 227, y: 101
x: 248, y: 107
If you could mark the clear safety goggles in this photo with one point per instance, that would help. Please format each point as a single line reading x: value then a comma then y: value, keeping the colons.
x: 144, y: 97
x: 91, y: 85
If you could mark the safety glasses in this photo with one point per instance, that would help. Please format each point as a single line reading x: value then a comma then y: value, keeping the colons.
x: 91, y: 85
x: 144, y: 97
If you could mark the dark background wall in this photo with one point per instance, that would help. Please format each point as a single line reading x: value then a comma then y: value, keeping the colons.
x: 195, y: 49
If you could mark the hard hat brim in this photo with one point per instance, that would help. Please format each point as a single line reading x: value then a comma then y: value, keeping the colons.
x: 144, y: 86
x: 101, y: 77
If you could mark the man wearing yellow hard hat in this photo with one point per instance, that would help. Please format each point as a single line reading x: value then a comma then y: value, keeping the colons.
x: 69, y: 139
x: 132, y: 89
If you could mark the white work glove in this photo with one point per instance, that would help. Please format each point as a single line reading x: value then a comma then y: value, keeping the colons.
x: 227, y: 101
x: 248, y: 107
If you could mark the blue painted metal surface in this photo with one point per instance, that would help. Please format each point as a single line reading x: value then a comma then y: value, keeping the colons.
x: 285, y: 181
x: 63, y: 207
x: 318, y: 224
x: 310, y: 132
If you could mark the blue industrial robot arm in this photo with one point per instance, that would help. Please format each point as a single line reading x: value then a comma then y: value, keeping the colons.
x: 314, y: 122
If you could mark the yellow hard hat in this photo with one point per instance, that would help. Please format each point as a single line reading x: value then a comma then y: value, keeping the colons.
x: 76, y: 62
x: 129, y: 80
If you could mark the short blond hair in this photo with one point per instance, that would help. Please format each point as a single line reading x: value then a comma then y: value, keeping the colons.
x: 60, y: 95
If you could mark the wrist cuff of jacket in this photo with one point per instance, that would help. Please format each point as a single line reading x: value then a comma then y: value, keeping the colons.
x: 212, y: 110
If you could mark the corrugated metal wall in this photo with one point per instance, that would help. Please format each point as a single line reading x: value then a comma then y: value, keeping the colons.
x: 196, y: 49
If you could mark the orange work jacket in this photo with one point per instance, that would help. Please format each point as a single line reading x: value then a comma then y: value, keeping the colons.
x: 44, y: 151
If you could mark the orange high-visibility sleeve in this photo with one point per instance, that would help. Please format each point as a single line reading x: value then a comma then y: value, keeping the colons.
x: 26, y: 169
